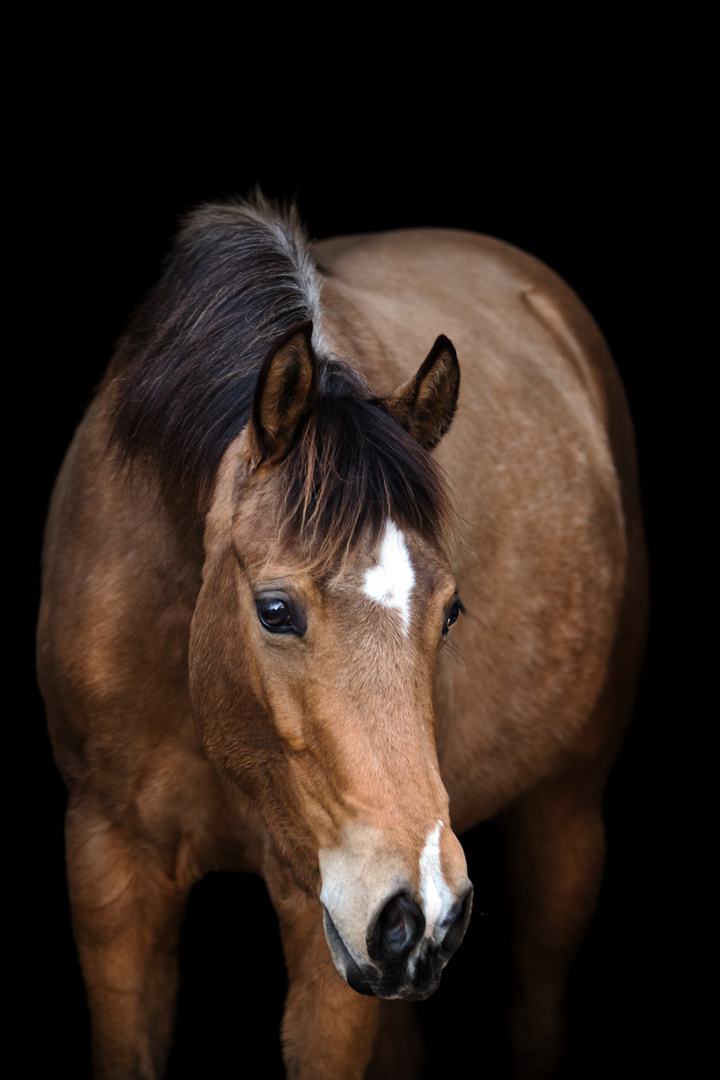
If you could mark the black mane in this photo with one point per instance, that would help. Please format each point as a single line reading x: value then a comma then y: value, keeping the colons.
x: 239, y: 276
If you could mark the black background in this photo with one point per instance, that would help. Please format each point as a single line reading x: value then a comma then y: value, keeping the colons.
x: 582, y: 156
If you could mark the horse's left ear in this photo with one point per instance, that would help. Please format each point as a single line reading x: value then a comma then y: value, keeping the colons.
x: 425, y: 405
x: 284, y: 392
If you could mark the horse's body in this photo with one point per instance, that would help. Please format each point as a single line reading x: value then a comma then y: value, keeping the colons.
x: 246, y: 596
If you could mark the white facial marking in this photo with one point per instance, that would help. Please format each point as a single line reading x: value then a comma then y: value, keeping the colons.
x: 434, y: 893
x: 390, y: 583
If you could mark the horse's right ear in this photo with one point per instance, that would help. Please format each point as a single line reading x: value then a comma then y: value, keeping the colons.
x: 284, y: 392
x: 425, y: 405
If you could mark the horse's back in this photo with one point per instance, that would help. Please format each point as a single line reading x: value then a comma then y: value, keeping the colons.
x: 531, y: 354
x: 541, y: 460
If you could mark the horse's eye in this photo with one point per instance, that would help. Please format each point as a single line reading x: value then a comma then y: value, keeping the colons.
x: 275, y: 615
x: 452, y: 615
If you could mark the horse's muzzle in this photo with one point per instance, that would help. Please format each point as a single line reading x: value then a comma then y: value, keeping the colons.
x: 402, y: 960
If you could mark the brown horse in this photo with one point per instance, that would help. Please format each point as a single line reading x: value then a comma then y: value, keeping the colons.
x: 254, y: 647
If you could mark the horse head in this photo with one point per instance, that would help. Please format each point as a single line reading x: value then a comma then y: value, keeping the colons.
x: 327, y: 596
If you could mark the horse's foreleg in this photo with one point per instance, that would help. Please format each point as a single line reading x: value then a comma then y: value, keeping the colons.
x: 399, y: 1050
x: 328, y: 1030
x: 555, y: 850
x: 127, y: 909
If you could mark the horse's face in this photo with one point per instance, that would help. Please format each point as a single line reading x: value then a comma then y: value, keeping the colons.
x: 313, y: 692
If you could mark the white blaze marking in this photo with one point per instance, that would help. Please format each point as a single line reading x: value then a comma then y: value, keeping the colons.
x: 434, y: 892
x: 390, y: 583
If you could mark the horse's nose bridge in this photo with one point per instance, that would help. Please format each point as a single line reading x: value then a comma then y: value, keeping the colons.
x: 380, y: 742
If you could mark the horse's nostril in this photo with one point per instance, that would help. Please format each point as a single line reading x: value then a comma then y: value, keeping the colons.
x: 397, y: 929
x: 458, y: 923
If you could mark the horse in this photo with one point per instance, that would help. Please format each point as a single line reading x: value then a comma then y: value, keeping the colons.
x: 315, y: 604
